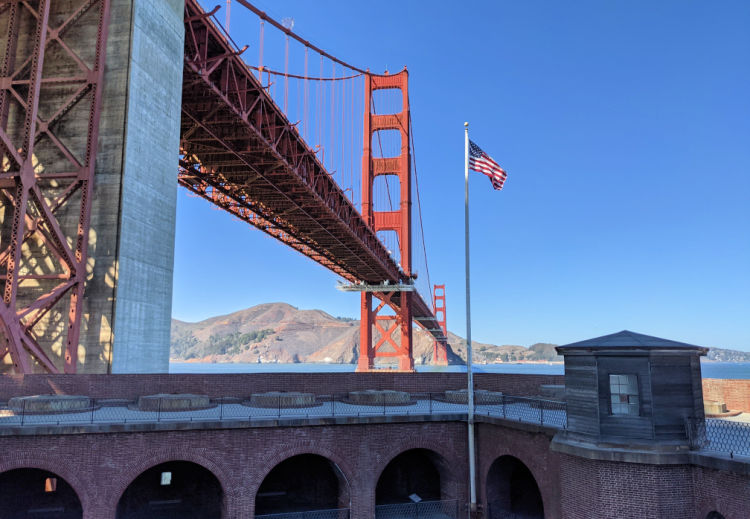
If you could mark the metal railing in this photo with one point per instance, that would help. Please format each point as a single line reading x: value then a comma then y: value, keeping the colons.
x: 526, y: 409
x: 717, y: 435
x: 339, y: 513
x: 446, y: 509
x: 112, y: 411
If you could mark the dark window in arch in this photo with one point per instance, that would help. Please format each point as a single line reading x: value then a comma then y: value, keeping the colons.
x: 172, y: 490
x: 512, y: 490
x: 37, y: 493
x: 714, y: 515
x: 302, y: 483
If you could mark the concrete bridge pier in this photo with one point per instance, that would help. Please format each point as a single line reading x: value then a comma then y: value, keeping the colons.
x: 111, y: 141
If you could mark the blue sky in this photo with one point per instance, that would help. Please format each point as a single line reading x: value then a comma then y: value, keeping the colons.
x: 625, y: 130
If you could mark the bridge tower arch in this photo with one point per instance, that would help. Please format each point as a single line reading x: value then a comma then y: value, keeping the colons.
x: 398, y: 221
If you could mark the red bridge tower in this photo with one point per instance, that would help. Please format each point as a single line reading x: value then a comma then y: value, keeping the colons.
x: 398, y: 221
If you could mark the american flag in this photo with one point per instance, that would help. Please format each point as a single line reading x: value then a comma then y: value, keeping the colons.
x: 480, y: 162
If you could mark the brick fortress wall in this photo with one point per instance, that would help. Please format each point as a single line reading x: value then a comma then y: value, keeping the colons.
x: 734, y: 392
x: 99, y: 467
x: 242, y: 385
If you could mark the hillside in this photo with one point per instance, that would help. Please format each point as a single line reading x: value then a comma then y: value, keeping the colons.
x: 278, y: 332
x: 722, y: 355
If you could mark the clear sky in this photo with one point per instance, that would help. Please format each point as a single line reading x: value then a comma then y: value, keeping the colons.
x: 625, y: 130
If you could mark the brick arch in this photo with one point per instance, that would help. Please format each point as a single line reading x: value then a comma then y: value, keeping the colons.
x: 286, y: 451
x: 423, y: 444
x: 532, y: 462
x: 57, y: 467
x: 230, y: 493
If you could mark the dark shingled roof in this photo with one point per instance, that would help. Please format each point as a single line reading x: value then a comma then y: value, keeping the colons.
x: 628, y: 339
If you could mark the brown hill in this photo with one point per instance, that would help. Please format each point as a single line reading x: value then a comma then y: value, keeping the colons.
x: 278, y: 332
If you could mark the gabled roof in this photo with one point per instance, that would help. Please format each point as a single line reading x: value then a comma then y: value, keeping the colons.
x: 628, y: 339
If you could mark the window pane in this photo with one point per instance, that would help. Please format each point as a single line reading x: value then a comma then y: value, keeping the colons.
x: 624, y: 398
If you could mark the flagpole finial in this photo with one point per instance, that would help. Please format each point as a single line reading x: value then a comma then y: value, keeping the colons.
x: 466, y: 124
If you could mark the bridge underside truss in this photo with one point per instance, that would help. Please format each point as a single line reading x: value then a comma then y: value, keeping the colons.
x: 51, y: 82
x: 240, y: 152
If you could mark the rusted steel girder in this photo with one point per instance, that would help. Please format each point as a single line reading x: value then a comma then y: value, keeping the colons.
x: 42, y: 174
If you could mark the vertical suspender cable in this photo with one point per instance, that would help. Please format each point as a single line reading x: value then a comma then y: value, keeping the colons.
x: 229, y: 13
x: 419, y: 202
x: 331, y: 130
x: 304, y: 111
x: 342, y: 142
x: 351, y: 138
x: 286, y: 76
x: 319, y: 114
x: 260, y: 55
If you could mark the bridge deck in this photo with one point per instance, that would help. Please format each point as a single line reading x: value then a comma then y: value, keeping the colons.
x: 241, y: 153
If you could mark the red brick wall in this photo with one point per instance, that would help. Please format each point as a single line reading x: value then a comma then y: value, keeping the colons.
x: 723, y: 492
x: 734, y: 392
x: 242, y: 385
x: 99, y: 467
x: 530, y: 448
x: 608, y: 490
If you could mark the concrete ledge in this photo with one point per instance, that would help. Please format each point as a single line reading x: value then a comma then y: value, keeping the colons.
x: 173, y: 402
x: 481, y: 397
x: 379, y: 397
x: 718, y: 461
x: 171, y: 425
x: 561, y: 443
x: 50, y: 404
x: 281, y: 400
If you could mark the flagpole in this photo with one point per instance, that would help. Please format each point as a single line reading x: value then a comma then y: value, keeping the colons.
x: 469, y: 374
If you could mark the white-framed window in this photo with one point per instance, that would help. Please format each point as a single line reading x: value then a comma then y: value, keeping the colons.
x: 624, y: 398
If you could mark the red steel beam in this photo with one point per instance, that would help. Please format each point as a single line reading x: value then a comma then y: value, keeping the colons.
x: 37, y: 197
x: 242, y: 154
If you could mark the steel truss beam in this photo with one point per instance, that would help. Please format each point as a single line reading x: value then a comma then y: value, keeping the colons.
x: 240, y: 143
x: 243, y: 155
x: 45, y: 267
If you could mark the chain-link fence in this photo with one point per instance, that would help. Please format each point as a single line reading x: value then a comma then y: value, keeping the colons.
x: 446, y: 509
x: 525, y: 409
x: 118, y: 411
x: 717, y: 435
x: 339, y: 513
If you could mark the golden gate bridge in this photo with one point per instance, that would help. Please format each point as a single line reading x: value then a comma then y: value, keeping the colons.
x: 315, y: 152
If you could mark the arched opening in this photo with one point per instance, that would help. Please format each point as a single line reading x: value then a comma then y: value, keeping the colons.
x: 172, y: 490
x: 411, y: 473
x: 512, y: 491
x: 417, y: 483
x: 303, y: 483
x: 37, y: 493
x: 714, y: 515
